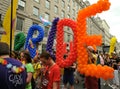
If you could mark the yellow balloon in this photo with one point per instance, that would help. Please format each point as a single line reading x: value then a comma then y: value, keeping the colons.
x: 112, y: 45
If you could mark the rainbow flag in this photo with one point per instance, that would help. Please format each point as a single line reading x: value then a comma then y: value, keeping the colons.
x: 45, y: 22
x: 7, y: 23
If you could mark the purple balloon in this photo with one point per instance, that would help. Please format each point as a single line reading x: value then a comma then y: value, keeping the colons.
x: 51, y: 36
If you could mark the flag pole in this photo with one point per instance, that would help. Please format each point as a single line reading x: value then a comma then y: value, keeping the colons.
x: 11, y: 27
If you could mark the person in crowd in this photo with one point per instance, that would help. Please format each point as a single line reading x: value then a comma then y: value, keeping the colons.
x: 68, y: 75
x: 91, y: 82
x: 107, y: 60
x: 15, y: 55
x: 51, y: 77
x: 36, y: 66
x: 79, y: 78
x: 115, y: 66
x: 25, y: 56
x: 12, y: 72
x: 37, y: 73
x: 100, y: 61
x: 101, y: 56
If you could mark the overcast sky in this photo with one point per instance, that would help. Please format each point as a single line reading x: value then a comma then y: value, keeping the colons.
x: 112, y: 17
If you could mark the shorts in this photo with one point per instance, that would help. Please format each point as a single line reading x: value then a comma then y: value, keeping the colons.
x: 68, y: 79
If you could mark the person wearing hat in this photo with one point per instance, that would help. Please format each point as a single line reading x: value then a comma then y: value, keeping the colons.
x: 91, y: 54
x: 12, y: 72
x: 91, y: 82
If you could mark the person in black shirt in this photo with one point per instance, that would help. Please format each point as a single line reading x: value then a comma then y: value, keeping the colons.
x: 68, y: 76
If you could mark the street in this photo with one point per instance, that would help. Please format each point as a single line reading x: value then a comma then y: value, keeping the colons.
x: 80, y: 84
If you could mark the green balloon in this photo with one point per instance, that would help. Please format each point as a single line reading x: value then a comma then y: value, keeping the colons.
x: 19, y: 41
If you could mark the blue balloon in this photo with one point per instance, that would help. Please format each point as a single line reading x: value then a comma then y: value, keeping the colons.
x: 39, y: 38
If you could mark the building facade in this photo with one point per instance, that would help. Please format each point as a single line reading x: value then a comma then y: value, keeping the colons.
x: 29, y: 12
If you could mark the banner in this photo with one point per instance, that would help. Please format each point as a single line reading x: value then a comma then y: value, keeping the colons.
x: 45, y: 22
x: 7, y: 23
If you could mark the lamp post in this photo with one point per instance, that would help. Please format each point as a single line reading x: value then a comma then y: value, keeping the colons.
x: 11, y: 26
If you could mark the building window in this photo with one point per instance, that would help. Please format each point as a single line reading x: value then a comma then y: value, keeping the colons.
x: 37, y: 0
x: 73, y: 18
x: 77, y: 7
x: 68, y: 8
x: 47, y: 16
x: 46, y: 31
x: 68, y: 0
x: 56, y: 9
x: 73, y: 3
x: 56, y: 0
x: 43, y: 47
x: 35, y: 11
x: 34, y: 23
x: 21, y: 5
x: 68, y: 28
x: 47, y: 4
x: 19, y: 25
x: 62, y: 14
x: 68, y: 16
x: 63, y: 4
x: 73, y: 12
x: 68, y: 38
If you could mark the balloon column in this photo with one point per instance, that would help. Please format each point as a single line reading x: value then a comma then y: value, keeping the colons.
x: 19, y: 41
x: 30, y: 43
x: 112, y: 45
x: 51, y: 36
x: 104, y: 72
x: 60, y: 44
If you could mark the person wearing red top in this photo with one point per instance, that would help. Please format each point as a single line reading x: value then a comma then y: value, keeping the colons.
x: 51, y: 77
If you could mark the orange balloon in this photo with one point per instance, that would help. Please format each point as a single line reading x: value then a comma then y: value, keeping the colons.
x: 94, y: 40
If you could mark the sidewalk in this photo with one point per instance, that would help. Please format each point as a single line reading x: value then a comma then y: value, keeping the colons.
x: 81, y: 82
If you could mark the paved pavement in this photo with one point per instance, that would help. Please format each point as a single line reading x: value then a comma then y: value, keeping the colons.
x: 80, y: 85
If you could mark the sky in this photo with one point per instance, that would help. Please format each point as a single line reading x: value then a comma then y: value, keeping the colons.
x: 112, y: 17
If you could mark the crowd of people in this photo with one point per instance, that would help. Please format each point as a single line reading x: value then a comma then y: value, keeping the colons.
x: 20, y: 71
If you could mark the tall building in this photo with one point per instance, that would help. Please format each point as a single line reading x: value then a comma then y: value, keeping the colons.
x: 29, y: 12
